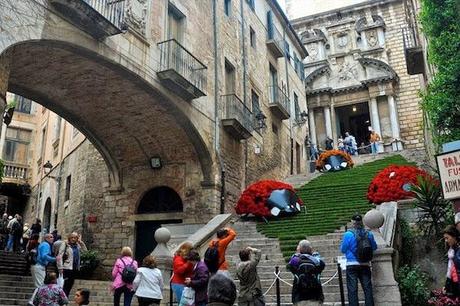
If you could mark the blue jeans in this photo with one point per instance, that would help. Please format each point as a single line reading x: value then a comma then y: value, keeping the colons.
x: 127, y: 298
x: 177, y: 288
x: 374, y: 147
x: 10, y: 243
x: 363, y: 273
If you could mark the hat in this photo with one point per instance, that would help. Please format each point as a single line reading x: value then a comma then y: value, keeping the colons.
x: 457, y: 218
x: 10, y: 217
x: 357, y: 218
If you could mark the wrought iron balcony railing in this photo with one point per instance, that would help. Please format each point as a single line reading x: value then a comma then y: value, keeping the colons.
x: 99, y: 18
x: 279, y: 102
x: 12, y: 171
x: 413, y: 51
x: 275, y: 41
x: 181, y: 71
x: 237, y: 118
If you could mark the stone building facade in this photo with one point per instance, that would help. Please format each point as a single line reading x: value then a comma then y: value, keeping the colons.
x: 180, y: 106
x: 357, y: 77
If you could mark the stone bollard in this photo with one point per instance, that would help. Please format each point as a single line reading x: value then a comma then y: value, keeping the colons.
x: 386, y: 290
x: 164, y: 260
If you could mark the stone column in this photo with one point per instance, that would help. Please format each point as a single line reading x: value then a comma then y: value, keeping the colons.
x: 386, y: 290
x: 327, y: 120
x: 375, y: 119
x: 311, y: 118
x: 334, y: 125
x: 164, y: 260
x: 397, y: 146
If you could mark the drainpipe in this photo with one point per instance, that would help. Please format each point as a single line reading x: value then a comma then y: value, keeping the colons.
x: 244, y: 59
x: 58, y: 188
x: 290, y: 105
x: 216, y: 111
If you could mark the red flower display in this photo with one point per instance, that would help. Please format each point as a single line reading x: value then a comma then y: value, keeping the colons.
x: 325, y: 155
x: 438, y: 298
x: 392, y: 183
x: 253, y: 200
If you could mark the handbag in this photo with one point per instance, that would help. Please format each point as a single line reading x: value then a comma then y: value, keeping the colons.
x: 60, y: 280
x: 188, y: 297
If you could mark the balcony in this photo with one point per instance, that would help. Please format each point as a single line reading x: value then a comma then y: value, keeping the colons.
x: 99, y: 18
x: 279, y: 103
x: 414, y: 53
x: 180, y: 71
x: 275, y: 42
x: 237, y: 119
x: 15, y: 173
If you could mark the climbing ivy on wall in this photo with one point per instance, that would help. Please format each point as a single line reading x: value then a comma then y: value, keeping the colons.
x: 441, y: 24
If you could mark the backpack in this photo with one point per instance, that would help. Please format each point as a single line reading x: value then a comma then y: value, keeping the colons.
x: 15, y: 228
x: 364, y: 251
x: 306, y: 276
x: 211, y: 257
x: 129, y: 272
x: 32, y: 256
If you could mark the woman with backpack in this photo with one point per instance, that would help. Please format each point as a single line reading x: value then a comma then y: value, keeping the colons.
x: 148, y: 283
x: 123, y: 274
x: 181, y: 269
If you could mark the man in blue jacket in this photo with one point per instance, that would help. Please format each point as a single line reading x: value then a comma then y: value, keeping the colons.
x: 44, y: 257
x: 356, y: 269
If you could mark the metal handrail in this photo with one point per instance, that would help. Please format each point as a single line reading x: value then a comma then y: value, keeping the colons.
x: 234, y: 108
x: 112, y: 10
x: 277, y: 96
x: 174, y: 56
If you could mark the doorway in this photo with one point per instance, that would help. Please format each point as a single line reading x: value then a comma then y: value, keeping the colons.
x: 47, y: 216
x: 354, y: 119
x: 161, y: 199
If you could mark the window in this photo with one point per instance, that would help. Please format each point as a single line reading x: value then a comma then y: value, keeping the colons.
x: 228, y: 7
x: 16, y: 147
x: 23, y: 105
x: 296, y: 63
x: 68, y: 182
x: 297, y: 108
x: 255, y: 103
x: 252, y: 4
x: 57, y: 128
x: 288, y: 50
x: 270, y: 25
x: 43, y: 144
x: 229, y: 78
x: 175, y: 23
x: 252, y: 37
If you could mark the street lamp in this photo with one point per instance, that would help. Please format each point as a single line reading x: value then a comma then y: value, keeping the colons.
x: 260, y: 120
x: 301, y: 119
x: 47, y: 167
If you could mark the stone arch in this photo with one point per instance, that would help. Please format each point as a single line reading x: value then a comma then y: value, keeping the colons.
x: 28, y: 58
x: 160, y: 199
x: 47, y: 214
x: 42, y: 35
x: 317, y: 72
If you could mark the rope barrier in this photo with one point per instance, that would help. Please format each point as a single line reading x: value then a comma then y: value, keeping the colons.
x: 277, y: 276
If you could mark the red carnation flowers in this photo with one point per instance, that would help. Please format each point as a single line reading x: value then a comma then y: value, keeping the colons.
x: 253, y: 199
x: 392, y: 183
x: 325, y: 155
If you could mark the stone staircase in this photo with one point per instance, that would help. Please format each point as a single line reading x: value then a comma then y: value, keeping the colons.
x: 327, y: 245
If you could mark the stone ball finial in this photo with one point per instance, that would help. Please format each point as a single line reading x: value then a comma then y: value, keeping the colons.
x: 162, y: 235
x: 373, y: 219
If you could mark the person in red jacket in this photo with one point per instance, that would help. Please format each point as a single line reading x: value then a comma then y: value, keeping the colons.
x: 181, y: 269
x: 224, y: 237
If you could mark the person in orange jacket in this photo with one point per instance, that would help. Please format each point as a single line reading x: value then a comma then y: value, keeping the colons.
x: 224, y: 237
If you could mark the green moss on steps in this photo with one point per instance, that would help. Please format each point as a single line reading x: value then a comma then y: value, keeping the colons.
x: 331, y: 199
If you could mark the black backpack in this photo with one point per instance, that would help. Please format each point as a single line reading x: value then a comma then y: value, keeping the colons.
x: 129, y: 272
x: 211, y: 257
x: 364, y: 251
x: 306, y: 276
x: 32, y: 256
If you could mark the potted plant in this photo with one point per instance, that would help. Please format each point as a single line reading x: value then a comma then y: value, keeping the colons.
x: 89, y: 261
